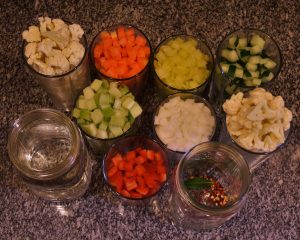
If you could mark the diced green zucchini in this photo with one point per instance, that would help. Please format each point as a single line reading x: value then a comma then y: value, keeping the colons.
x: 239, y: 73
x: 105, y: 84
x: 255, y: 59
x: 251, y: 66
x: 255, y: 50
x: 254, y: 74
x: 76, y: 113
x: 256, y: 40
x: 121, y: 112
x: 116, y: 131
x: 114, y: 91
x: 103, y: 125
x: 97, y: 116
x: 233, y: 41
x: 117, y: 103
x: 81, y: 102
x: 90, y: 129
x: 225, y: 67
x: 244, y: 53
x: 91, y: 104
x: 124, y: 90
x: 256, y: 81
x: 96, y: 84
x: 118, y: 121
x: 126, y: 126
x: 88, y: 93
x: 242, y: 43
x: 128, y: 103
x: 231, y: 71
x: 270, y: 64
x: 81, y: 121
x: 107, y: 113
x: 104, y: 100
x: 230, y: 89
x: 268, y: 78
x: 230, y: 55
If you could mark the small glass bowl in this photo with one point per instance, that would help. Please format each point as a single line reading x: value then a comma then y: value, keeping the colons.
x: 194, y: 209
x: 134, y: 83
x: 175, y: 156
x: 220, y: 80
x: 165, y: 89
x: 64, y: 88
x: 124, y: 145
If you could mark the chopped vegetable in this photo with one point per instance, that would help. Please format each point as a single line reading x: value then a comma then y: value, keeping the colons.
x: 122, y: 53
x: 135, y: 176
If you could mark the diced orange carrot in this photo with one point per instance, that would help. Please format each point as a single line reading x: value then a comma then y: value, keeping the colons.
x: 131, y: 52
x: 129, y: 32
x: 140, y: 160
x: 142, y: 190
x: 112, y: 171
x: 130, y: 173
x: 130, y: 183
x: 142, y: 62
x: 111, y: 72
x: 114, y: 35
x: 115, y: 53
x: 140, y: 41
x: 106, y: 53
x: 141, y: 53
x: 140, y: 180
x: 133, y: 72
x: 121, y: 32
x: 105, y: 35
x: 107, y: 43
x: 112, y: 64
x: 104, y: 63
x: 117, y: 159
x: 147, y: 51
x: 122, y: 70
x: 140, y: 169
x: 116, y: 43
x: 98, y: 50
x: 123, y: 41
x: 150, y: 155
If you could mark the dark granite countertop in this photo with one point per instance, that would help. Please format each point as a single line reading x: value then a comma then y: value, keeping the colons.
x: 272, y: 210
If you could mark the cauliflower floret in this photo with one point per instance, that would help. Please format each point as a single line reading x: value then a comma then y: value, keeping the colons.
x: 287, y: 118
x: 247, y: 139
x: 33, y: 57
x: 76, y: 32
x: 58, y: 60
x: 58, y: 24
x: 61, y: 36
x: 30, y: 49
x: 45, y: 24
x: 233, y: 105
x: 46, y: 46
x: 276, y: 103
x: 44, y: 68
x: 32, y: 34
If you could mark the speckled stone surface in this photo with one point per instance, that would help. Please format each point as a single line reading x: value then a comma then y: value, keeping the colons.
x: 272, y: 210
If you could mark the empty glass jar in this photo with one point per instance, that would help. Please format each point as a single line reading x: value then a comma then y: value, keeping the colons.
x: 49, y: 153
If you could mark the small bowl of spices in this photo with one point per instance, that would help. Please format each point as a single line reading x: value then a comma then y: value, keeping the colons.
x: 210, y: 186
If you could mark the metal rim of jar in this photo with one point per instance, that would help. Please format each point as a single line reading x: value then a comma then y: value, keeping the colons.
x: 85, y: 43
x: 94, y: 41
x: 198, y: 41
x: 59, y: 169
x: 185, y: 96
x: 208, y: 146
x: 247, y: 31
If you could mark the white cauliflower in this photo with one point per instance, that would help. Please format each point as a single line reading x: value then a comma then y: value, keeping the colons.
x: 45, y: 24
x: 58, y: 24
x: 32, y: 34
x: 46, y: 46
x: 76, y: 32
x: 257, y: 122
x: 233, y: 105
x: 44, y: 68
x: 33, y: 57
x: 61, y: 36
x: 58, y: 60
x: 30, y: 49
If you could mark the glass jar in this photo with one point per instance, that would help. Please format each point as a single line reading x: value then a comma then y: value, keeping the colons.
x: 214, y: 160
x: 65, y: 88
x: 49, y: 153
x: 163, y: 88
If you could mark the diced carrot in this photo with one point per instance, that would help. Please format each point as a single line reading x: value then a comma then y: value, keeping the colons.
x: 150, y: 155
x: 123, y: 41
x: 162, y: 177
x: 135, y: 194
x: 142, y: 190
x: 130, y: 173
x: 142, y: 62
x: 97, y: 63
x: 143, y: 153
x: 111, y: 72
x: 140, y: 41
x: 147, y: 51
x: 140, y: 169
x: 115, y: 53
x: 130, y: 183
x: 140, y: 160
x: 112, y: 171
x: 151, y: 167
x: 125, y: 193
x: 140, y: 180
x: 106, y: 53
x: 114, y: 35
x: 105, y: 35
x: 141, y: 53
x: 131, y: 52
x: 128, y: 166
x: 121, y: 32
x: 161, y: 168
x: 112, y: 63
x: 133, y: 64
x: 116, y: 180
x: 107, y: 43
x: 131, y: 155
x: 116, y: 43
x: 117, y: 159
x: 133, y: 72
x: 98, y: 50
x: 122, y: 70
x: 129, y: 32
x: 122, y: 165
x: 104, y: 63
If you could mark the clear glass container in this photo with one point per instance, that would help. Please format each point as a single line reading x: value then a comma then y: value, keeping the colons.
x: 253, y: 158
x: 165, y: 89
x: 175, y: 156
x: 122, y: 146
x: 65, y: 88
x: 135, y: 83
x: 217, y: 92
x: 49, y: 154
x: 214, y: 160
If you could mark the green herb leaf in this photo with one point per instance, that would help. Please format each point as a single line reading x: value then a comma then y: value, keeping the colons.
x: 197, y: 183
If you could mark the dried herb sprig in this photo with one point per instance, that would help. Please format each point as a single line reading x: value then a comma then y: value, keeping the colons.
x: 198, y: 183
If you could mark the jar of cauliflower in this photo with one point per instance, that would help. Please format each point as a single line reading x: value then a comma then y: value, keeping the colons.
x: 55, y: 54
x: 257, y: 122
